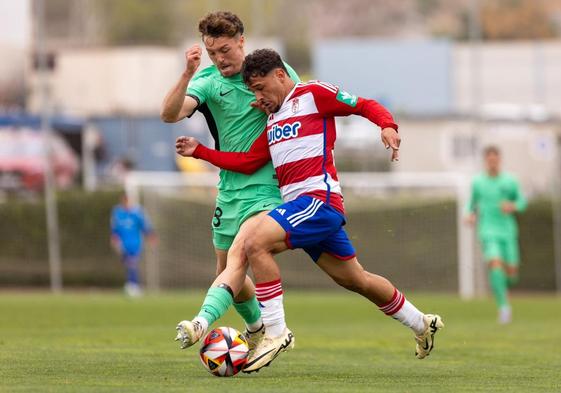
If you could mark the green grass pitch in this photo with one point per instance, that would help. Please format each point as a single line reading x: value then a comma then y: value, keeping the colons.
x: 103, y: 342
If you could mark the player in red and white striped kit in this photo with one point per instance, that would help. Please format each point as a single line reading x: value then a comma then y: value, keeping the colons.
x: 299, y: 139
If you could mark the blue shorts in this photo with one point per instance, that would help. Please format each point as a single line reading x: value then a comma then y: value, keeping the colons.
x: 315, y: 227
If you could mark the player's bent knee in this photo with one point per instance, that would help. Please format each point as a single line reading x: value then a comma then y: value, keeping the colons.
x: 495, y: 264
x: 254, y: 246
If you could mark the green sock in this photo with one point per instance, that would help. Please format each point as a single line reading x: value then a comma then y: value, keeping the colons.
x: 498, y: 281
x: 217, y: 302
x: 249, y: 310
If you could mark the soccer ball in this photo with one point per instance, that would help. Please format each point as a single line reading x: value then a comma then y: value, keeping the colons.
x: 224, y: 352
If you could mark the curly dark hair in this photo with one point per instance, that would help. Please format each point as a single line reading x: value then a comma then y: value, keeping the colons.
x: 260, y: 62
x: 220, y: 24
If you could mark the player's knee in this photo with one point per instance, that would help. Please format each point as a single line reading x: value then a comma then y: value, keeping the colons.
x: 495, y: 264
x: 253, y: 246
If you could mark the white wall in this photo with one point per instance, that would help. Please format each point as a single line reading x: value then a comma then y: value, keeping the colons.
x: 517, y: 73
x: 110, y: 81
x: 125, y: 80
x: 529, y: 150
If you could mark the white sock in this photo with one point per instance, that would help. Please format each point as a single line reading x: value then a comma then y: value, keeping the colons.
x: 270, y: 297
x: 202, y: 321
x: 402, y: 310
x: 255, y: 326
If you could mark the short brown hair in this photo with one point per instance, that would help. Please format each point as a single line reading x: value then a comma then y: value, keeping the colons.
x: 491, y: 150
x: 220, y: 24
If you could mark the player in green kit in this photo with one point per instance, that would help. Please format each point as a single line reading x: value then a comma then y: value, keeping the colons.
x: 235, y: 120
x: 495, y: 198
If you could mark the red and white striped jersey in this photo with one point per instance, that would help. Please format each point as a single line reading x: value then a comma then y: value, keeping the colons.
x: 299, y: 139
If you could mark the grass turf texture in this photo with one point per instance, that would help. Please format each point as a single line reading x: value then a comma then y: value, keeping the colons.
x: 102, y: 342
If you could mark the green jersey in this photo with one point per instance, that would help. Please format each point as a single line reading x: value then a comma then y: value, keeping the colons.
x: 233, y: 123
x: 487, y: 195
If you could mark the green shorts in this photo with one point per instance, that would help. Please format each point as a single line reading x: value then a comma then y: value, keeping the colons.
x: 505, y: 249
x: 234, y: 207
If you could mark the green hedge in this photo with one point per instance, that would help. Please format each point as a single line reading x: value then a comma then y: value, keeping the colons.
x: 84, y: 240
x: 413, y: 243
x: 537, y: 269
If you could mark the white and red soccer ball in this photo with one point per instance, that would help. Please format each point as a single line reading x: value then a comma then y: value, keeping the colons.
x: 224, y: 352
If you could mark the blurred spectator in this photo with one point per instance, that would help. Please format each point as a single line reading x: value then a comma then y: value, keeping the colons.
x: 120, y: 168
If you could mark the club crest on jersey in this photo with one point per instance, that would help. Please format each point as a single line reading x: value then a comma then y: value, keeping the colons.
x: 288, y: 131
x: 346, y: 98
x: 295, y: 105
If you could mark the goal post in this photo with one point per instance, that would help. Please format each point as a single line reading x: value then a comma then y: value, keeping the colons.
x: 425, y: 181
x: 182, y: 205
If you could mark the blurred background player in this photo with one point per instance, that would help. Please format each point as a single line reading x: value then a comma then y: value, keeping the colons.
x: 129, y: 225
x: 235, y: 121
x: 495, y: 198
x: 300, y: 139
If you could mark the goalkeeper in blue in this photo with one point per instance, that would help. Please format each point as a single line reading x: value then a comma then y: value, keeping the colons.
x: 129, y: 226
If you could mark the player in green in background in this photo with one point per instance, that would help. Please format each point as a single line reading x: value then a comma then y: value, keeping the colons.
x: 495, y: 198
x: 235, y: 120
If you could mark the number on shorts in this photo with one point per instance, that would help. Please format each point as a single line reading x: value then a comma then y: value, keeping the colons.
x: 217, y: 215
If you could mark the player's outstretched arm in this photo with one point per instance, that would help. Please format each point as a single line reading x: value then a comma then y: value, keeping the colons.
x: 471, y: 206
x: 177, y: 105
x: 243, y: 162
x: 379, y: 115
x: 332, y: 101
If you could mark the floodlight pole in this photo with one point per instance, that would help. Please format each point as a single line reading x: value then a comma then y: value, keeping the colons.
x: 53, y: 240
x: 471, y: 273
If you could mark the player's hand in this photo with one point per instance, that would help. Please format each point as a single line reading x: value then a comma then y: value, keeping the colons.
x: 115, y: 244
x: 391, y: 139
x: 185, y: 146
x: 153, y: 240
x: 193, y: 59
x: 471, y: 219
x: 259, y: 105
x: 508, y: 207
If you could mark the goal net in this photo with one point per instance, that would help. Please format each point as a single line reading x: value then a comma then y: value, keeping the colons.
x: 407, y: 227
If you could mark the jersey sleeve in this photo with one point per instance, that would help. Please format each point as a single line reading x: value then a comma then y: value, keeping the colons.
x: 471, y: 206
x: 199, y: 89
x: 145, y: 224
x: 292, y: 74
x: 243, y: 162
x: 332, y: 101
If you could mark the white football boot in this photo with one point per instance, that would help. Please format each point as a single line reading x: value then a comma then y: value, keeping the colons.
x: 505, y: 315
x: 268, y: 349
x: 425, y: 341
x: 188, y: 333
x: 254, y: 338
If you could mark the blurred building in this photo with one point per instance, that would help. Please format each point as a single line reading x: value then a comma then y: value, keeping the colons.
x: 424, y: 78
x: 451, y: 97
x: 119, y: 91
x: 108, y: 81
x: 113, y: 81
x: 434, y: 87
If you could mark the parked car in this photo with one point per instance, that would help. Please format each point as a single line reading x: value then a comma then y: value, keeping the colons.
x: 22, y: 160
